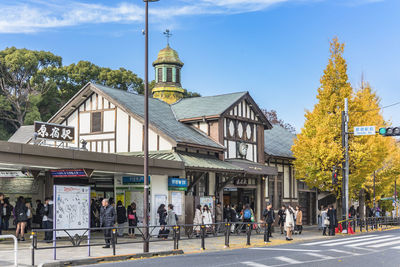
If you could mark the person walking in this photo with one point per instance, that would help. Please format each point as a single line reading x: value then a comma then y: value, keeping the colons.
x: 121, y: 218
x: 325, y: 220
x: 207, y: 218
x: 269, y: 218
x: 107, y: 219
x: 282, y: 218
x: 132, y: 219
x: 47, y: 220
x: 21, y: 217
x: 289, y: 222
x: 299, y: 220
x: 172, y: 218
x: 197, y: 220
x: 333, y: 223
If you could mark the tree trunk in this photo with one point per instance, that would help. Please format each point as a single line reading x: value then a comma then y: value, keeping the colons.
x: 361, y: 201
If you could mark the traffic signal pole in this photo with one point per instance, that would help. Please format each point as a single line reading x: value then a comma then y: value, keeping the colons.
x: 345, y: 182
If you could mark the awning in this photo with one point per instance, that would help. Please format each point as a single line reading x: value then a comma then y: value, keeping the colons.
x: 254, y: 168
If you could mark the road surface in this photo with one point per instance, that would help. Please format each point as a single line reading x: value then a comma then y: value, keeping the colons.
x: 380, y: 249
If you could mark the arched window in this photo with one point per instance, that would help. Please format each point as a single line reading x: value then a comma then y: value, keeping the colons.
x: 169, y: 74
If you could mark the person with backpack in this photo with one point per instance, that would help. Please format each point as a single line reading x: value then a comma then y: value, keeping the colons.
x: 247, y: 213
x: 121, y: 218
x: 21, y: 217
x: 132, y: 219
x: 269, y: 218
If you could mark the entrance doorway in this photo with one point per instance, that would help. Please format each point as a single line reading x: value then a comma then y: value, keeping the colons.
x: 240, y: 197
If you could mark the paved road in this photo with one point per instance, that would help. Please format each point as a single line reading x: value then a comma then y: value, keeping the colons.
x: 376, y: 249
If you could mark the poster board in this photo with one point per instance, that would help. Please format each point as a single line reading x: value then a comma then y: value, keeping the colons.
x: 176, y: 200
x: 71, y: 209
x: 209, y: 201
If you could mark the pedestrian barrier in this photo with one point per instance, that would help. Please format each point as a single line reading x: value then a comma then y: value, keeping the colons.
x: 367, y: 224
x: 83, y: 237
x: 15, y: 247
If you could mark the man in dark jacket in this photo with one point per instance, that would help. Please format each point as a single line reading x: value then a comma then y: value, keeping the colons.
x: 107, y: 219
x: 269, y: 218
x: 333, y: 223
x: 47, y: 220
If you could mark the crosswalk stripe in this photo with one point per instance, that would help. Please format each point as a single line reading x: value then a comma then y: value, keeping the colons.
x: 335, y: 240
x: 320, y: 256
x: 288, y: 260
x: 288, y: 249
x: 344, y: 242
x: 385, y: 244
x: 373, y: 242
x: 397, y: 247
x: 345, y: 252
x: 253, y: 264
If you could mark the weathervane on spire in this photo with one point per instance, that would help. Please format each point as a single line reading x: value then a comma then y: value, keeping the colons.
x: 167, y: 34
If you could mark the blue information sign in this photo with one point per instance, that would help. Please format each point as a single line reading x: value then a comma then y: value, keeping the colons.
x: 177, y: 182
x: 133, y: 179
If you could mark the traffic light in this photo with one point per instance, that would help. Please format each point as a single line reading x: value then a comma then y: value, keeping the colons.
x: 335, y: 179
x: 390, y: 131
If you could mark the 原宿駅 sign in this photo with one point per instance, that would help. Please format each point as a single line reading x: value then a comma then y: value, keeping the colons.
x: 54, y: 131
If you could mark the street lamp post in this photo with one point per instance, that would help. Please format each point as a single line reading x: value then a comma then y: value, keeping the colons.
x: 146, y: 131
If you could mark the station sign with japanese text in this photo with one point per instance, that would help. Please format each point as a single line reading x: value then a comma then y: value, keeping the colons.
x: 54, y: 132
x: 177, y: 182
x: 68, y: 173
x: 364, y: 130
x: 126, y: 180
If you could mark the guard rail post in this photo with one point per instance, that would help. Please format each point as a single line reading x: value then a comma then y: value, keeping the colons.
x: 113, y: 240
x: 176, y: 237
x: 203, y: 235
x: 248, y: 234
x: 366, y: 224
x: 227, y: 232
x: 33, y: 246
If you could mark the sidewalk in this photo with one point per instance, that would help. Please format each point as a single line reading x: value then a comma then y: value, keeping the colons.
x: 188, y: 246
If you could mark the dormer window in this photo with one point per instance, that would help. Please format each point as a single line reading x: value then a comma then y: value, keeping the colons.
x: 169, y: 74
x: 159, y: 75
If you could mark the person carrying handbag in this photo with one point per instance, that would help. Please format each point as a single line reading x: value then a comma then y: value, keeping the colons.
x: 324, y: 220
x: 132, y: 219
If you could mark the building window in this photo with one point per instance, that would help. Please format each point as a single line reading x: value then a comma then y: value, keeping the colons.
x: 159, y: 78
x: 178, y: 75
x: 169, y: 74
x: 96, y: 122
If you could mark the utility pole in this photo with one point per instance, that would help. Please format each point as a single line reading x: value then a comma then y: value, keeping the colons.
x: 374, y: 189
x: 345, y: 182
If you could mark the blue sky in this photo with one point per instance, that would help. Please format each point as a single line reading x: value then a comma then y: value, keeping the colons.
x: 276, y: 49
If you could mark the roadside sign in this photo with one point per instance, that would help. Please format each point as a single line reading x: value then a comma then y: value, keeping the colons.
x: 364, y: 130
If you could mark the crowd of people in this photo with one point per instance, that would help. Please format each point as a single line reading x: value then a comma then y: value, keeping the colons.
x: 23, y: 216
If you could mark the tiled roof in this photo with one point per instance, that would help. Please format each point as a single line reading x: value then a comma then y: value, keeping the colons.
x: 160, y: 115
x: 22, y: 135
x: 191, y: 160
x: 278, y: 142
x: 195, y: 107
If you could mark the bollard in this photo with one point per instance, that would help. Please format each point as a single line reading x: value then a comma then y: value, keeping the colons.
x: 33, y: 246
x: 113, y: 239
x: 366, y: 224
x: 176, y: 246
x: 227, y: 233
x: 266, y: 234
x: 203, y: 235
x: 248, y: 234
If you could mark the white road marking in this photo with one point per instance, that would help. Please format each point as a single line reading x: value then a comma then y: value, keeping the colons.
x: 345, y: 252
x: 253, y: 264
x: 396, y: 247
x: 320, y: 256
x: 385, y: 244
x: 349, y: 241
x: 335, y: 240
x: 288, y: 260
x: 289, y: 249
x: 373, y: 242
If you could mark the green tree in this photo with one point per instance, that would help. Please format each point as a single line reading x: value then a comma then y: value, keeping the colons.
x: 20, y: 81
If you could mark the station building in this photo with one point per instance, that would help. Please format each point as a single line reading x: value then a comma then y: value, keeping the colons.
x: 203, y: 150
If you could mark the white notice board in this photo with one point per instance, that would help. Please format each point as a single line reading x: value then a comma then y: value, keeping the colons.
x: 71, y: 209
x: 176, y: 200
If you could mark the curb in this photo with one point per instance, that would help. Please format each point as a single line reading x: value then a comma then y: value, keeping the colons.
x: 96, y: 260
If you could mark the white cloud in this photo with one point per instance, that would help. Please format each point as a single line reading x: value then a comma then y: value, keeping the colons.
x: 28, y: 16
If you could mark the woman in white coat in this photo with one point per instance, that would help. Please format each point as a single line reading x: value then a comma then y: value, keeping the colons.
x: 289, y: 223
x: 197, y: 220
x: 325, y: 219
x: 207, y: 217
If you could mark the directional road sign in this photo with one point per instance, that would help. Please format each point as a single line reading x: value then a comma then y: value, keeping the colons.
x: 364, y: 130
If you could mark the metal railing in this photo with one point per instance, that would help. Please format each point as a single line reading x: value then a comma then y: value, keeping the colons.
x: 368, y: 223
x: 175, y: 233
x: 15, y: 247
